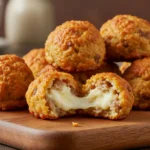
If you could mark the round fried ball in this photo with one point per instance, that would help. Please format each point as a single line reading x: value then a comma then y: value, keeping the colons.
x: 35, y: 59
x: 126, y: 38
x: 75, y: 46
x: 115, y: 95
x: 15, y: 77
x: 138, y: 76
x: 39, y: 98
x: 104, y: 95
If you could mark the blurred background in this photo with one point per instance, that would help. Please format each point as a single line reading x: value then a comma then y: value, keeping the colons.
x: 25, y: 24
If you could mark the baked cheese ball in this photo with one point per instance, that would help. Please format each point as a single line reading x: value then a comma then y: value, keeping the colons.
x: 46, y: 98
x: 35, y: 59
x: 111, y: 95
x: 126, y: 38
x: 15, y: 77
x: 75, y: 46
x: 104, y: 95
x: 138, y: 76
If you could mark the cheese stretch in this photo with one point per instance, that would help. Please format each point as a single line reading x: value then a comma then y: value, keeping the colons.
x: 97, y: 98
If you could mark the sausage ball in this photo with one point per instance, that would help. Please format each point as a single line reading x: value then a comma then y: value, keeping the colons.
x: 75, y: 46
x: 42, y: 102
x: 138, y: 76
x: 104, y: 95
x: 35, y: 59
x: 15, y: 77
x: 126, y: 38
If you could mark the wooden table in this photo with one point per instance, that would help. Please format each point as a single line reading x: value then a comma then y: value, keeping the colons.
x: 22, y: 130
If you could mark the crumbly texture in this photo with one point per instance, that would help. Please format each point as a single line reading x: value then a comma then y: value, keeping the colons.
x: 35, y: 59
x: 75, y: 124
x: 42, y: 106
x: 38, y: 102
x: 126, y: 38
x: 124, y: 66
x: 121, y: 106
x: 15, y: 77
x: 138, y: 75
x: 75, y: 46
x: 47, y: 68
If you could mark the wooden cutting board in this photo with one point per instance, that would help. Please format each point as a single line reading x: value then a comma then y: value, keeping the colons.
x: 21, y: 130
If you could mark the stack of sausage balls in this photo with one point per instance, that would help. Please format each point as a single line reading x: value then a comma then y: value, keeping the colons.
x: 127, y: 38
x: 75, y: 74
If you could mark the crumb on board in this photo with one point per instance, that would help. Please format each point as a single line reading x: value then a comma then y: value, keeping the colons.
x: 75, y: 124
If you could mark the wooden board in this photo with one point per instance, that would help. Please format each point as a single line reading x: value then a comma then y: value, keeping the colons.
x: 22, y: 130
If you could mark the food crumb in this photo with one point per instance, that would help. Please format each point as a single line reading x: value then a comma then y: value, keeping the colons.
x: 75, y: 124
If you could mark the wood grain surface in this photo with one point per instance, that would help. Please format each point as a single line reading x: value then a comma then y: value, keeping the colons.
x: 22, y: 130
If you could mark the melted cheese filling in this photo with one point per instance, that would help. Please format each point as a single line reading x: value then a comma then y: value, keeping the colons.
x: 97, y: 98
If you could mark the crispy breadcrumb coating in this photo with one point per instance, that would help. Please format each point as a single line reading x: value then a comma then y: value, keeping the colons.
x: 138, y: 76
x: 56, y: 94
x: 35, y: 59
x: 15, y: 77
x: 126, y: 38
x: 75, y: 46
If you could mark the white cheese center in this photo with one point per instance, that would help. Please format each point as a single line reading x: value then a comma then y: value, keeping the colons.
x: 97, y: 98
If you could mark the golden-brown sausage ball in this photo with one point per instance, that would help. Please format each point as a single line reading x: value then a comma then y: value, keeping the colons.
x: 105, y: 95
x: 39, y: 99
x: 35, y: 59
x: 75, y: 46
x: 138, y: 76
x: 126, y: 38
x: 112, y: 94
x: 15, y: 77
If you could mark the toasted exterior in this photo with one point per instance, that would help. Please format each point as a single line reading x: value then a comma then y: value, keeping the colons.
x: 48, y: 68
x: 35, y: 60
x: 126, y: 38
x: 124, y: 66
x: 122, y: 97
x: 15, y: 77
x: 37, y: 98
x: 138, y: 75
x: 56, y: 94
x: 75, y: 46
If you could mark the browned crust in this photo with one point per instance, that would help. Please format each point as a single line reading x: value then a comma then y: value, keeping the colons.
x: 36, y: 94
x: 75, y: 46
x: 35, y: 59
x: 15, y: 77
x: 126, y: 38
x: 40, y: 107
x: 120, y: 85
x: 138, y: 76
